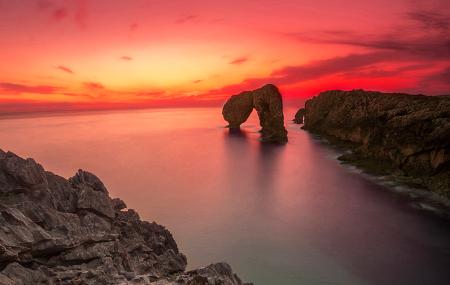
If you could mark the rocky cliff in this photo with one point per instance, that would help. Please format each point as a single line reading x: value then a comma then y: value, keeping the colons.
x: 401, y: 134
x: 58, y: 231
x: 267, y: 102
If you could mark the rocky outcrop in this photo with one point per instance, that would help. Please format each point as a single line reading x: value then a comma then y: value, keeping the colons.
x: 267, y: 102
x: 58, y: 231
x: 299, y: 116
x: 400, y: 134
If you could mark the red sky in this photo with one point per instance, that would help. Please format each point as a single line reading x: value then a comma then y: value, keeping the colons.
x: 83, y: 54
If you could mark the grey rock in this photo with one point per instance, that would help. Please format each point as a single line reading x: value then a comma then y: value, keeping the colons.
x: 95, y: 201
x: 84, y: 179
x: 58, y: 231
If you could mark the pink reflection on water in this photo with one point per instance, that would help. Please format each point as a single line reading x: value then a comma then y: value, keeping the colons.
x: 279, y: 214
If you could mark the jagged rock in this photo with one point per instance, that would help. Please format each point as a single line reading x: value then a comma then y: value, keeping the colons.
x: 58, y: 231
x: 83, y: 179
x: 217, y: 273
x: 298, y: 119
x: 410, y: 134
x: 267, y: 102
x: 25, y: 172
x: 118, y: 204
x: 95, y: 201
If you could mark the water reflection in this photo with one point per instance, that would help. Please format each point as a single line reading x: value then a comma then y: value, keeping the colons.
x: 280, y: 214
x: 236, y: 133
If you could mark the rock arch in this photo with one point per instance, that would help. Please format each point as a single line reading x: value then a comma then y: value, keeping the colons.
x: 267, y: 102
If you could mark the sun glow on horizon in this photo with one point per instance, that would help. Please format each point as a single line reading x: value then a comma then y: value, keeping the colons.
x: 150, y: 53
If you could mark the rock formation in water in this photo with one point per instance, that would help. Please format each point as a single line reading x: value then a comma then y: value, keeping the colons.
x: 58, y: 231
x: 267, y: 102
x: 298, y: 119
x: 400, y: 134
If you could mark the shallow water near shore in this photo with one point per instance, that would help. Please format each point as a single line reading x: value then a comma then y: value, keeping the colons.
x: 278, y: 214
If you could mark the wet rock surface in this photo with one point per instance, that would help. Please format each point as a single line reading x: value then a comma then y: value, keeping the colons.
x: 267, y: 102
x: 397, y: 134
x: 59, y: 231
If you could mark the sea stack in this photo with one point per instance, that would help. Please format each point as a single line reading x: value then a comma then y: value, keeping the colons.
x: 406, y: 135
x: 299, y: 116
x: 268, y: 103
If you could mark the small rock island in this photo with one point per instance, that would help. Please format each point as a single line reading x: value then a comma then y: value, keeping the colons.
x: 59, y: 231
x: 400, y: 134
x: 268, y: 103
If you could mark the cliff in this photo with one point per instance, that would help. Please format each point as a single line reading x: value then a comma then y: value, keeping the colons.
x: 59, y: 231
x: 399, y: 134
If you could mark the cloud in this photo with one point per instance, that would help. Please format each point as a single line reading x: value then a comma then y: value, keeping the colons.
x: 21, y: 88
x: 133, y: 27
x: 79, y: 95
x: 424, y: 36
x: 239, y: 60
x: 153, y: 94
x: 197, y: 81
x: 186, y: 19
x: 93, y: 85
x: 64, y: 69
x: 431, y: 20
x: 59, y: 14
x: 126, y: 58
x: 347, y: 66
x: 44, y: 4
x: 81, y: 13
x: 437, y: 80
x: 77, y: 10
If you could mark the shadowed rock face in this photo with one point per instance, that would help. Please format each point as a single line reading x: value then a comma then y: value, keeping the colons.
x: 298, y: 119
x: 58, y: 231
x: 410, y: 133
x: 267, y: 102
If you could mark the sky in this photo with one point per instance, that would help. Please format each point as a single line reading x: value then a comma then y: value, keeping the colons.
x: 95, y: 54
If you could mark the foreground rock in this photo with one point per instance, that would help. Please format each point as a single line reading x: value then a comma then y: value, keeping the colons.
x: 267, y: 102
x: 400, y: 134
x: 58, y: 231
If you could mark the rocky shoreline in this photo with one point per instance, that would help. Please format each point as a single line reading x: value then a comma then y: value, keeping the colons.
x: 69, y: 231
x: 400, y: 136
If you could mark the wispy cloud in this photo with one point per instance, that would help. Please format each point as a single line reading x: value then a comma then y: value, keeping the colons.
x: 93, y: 85
x: 133, y: 27
x: 426, y: 35
x: 81, y: 13
x: 64, y: 69
x: 60, y: 13
x: 16, y: 88
x: 186, y: 19
x: 151, y: 94
x: 239, y: 60
x: 431, y: 20
x: 126, y: 58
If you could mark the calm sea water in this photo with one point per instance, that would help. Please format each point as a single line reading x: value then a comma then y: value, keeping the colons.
x: 278, y: 214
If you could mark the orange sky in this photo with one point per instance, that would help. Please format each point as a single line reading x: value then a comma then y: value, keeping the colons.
x: 84, y: 54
